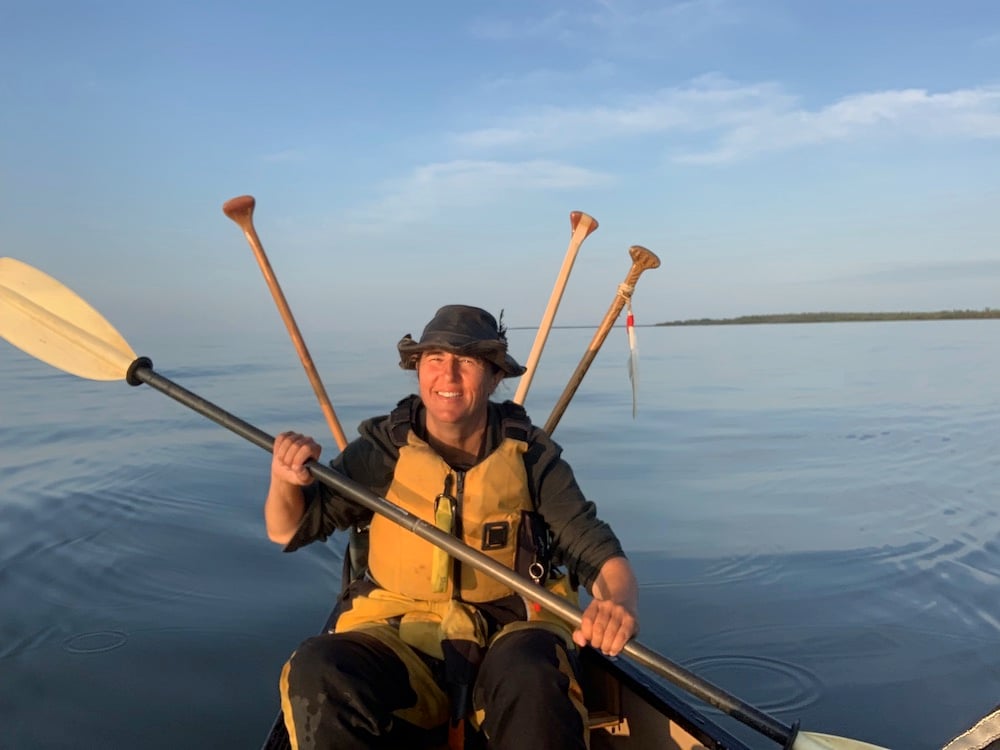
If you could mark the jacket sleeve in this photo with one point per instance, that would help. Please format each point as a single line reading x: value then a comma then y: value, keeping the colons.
x: 368, y: 460
x: 582, y: 540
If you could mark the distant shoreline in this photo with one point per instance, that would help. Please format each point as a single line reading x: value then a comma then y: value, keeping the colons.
x: 844, y: 317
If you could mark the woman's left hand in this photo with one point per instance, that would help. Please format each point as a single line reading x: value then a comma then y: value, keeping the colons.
x: 607, y: 626
x: 611, y: 619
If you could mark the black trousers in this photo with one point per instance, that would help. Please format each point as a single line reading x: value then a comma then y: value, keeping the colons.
x: 347, y: 690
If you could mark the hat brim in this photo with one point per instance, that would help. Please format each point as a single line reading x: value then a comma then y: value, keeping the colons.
x: 496, y: 354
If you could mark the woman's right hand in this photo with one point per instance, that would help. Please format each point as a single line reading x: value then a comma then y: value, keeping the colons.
x: 291, y: 452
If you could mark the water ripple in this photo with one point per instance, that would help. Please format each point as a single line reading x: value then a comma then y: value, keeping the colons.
x: 723, y: 571
x: 96, y: 642
x: 795, y: 686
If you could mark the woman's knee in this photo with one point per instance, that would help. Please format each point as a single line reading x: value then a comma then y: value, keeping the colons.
x: 527, y: 687
x: 331, y: 662
x: 528, y: 660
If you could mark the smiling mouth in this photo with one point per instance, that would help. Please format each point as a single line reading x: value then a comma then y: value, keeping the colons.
x: 448, y: 394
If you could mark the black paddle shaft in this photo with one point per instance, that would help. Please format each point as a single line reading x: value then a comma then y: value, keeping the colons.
x: 141, y: 371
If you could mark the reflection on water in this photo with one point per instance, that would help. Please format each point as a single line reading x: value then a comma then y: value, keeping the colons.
x: 812, y: 511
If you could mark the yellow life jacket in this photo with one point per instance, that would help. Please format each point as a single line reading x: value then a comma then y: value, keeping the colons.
x: 482, y: 507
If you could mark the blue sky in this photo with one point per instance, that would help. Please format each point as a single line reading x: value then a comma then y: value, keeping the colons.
x: 777, y: 156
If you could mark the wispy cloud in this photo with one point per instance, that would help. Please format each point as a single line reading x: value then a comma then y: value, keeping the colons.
x: 432, y: 188
x: 547, y: 79
x: 964, y: 113
x: 736, y: 121
x: 708, y: 103
x: 640, y: 27
x: 626, y: 19
x: 551, y: 26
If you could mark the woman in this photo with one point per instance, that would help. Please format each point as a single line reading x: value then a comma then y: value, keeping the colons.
x: 420, y: 638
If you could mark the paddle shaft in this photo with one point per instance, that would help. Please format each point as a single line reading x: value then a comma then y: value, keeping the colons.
x: 641, y: 260
x: 240, y: 210
x: 582, y: 226
x: 141, y: 371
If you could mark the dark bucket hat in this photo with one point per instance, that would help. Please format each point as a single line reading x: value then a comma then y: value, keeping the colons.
x: 463, y: 330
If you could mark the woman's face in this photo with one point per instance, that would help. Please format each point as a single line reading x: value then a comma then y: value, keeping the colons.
x: 455, y: 388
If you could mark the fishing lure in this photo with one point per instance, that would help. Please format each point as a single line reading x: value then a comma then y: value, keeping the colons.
x: 633, y: 357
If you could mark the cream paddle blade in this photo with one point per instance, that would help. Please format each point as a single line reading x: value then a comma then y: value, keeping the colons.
x: 818, y: 741
x: 50, y: 322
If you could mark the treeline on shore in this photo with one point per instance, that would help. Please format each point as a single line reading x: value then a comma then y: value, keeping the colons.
x: 838, y: 317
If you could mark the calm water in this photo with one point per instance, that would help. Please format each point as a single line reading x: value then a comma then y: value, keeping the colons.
x: 812, y: 511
